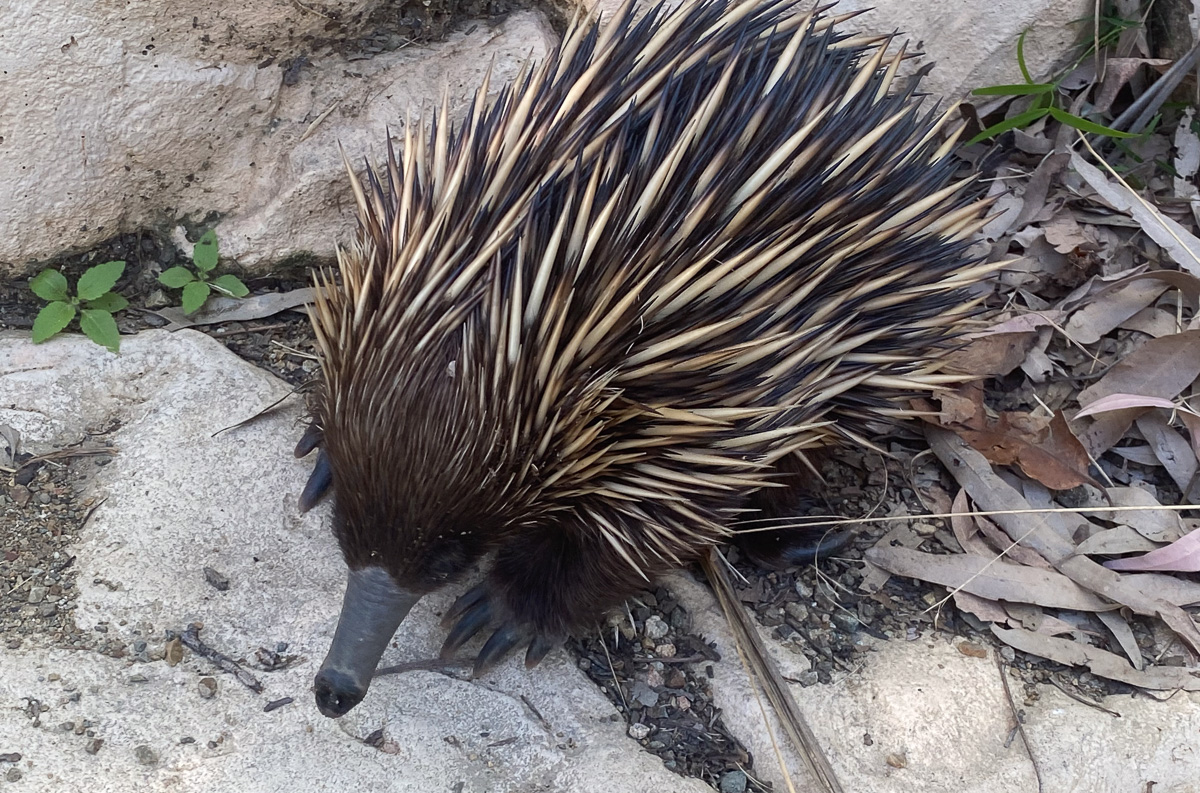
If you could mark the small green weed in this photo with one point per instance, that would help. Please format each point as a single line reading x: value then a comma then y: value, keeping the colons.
x: 1045, y: 96
x: 198, y: 286
x: 94, y: 301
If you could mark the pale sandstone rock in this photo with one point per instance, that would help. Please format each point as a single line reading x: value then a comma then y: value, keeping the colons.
x: 115, y: 117
x: 178, y: 499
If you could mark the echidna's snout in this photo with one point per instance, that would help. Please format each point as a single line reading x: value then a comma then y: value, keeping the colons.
x: 374, y: 606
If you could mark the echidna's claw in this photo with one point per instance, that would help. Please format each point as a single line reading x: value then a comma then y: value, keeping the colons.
x: 537, y: 650
x: 310, y: 440
x: 471, y: 612
x: 464, y: 602
x: 474, y: 616
x: 500, y: 644
x: 318, y: 483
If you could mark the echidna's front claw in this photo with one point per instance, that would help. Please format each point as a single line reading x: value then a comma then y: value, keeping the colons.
x: 537, y: 650
x: 500, y: 644
x: 473, y: 611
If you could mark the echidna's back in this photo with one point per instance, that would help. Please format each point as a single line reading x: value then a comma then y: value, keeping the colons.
x: 675, y: 251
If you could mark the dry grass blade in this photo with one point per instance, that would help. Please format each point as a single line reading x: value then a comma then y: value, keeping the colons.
x: 768, y: 677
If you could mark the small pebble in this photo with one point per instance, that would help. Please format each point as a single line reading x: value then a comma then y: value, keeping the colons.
x: 733, y: 782
x: 93, y: 746
x: 798, y: 612
x: 216, y: 580
x: 647, y: 696
x: 13, y: 775
x: 37, y: 594
x: 639, y: 732
x: 145, y: 755
x: 187, y: 739
x: 10, y: 757
x: 47, y: 610
x: 665, y: 651
x: 20, y: 495
x: 656, y: 628
x: 173, y: 652
x: 207, y: 687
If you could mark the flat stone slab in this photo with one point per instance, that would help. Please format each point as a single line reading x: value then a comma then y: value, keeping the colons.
x: 177, y: 498
x: 124, y: 116
x: 181, y: 495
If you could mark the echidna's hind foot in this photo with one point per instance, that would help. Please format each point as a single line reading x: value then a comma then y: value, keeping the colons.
x: 321, y: 479
x: 778, y: 549
x: 776, y: 537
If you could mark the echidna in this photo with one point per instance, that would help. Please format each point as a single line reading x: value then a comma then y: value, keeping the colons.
x: 581, y: 328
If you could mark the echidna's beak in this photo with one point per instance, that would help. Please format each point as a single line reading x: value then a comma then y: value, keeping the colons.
x: 374, y: 606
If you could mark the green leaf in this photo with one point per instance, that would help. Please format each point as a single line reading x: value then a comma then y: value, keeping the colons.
x: 194, y: 295
x: 1083, y: 125
x: 176, y: 277
x: 204, y: 255
x: 1016, y: 89
x: 110, y: 302
x: 1019, y: 120
x: 98, y: 280
x: 51, y: 319
x: 49, y: 285
x: 1021, y: 56
x: 231, y: 285
x: 100, y: 327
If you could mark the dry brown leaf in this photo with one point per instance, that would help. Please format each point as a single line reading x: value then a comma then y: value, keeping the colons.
x: 228, y: 309
x: 1121, y: 631
x: 1140, y: 454
x: 1112, y: 542
x: 993, y: 580
x: 1038, y: 186
x: 1099, y: 662
x: 1050, y: 625
x: 1159, y: 368
x: 1112, y: 402
x: 965, y: 529
x: 1153, y: 523
x: 1177, y: 241
x: 992, y: 355
x: 1110, y: 308
x: 1065, y: 234
x: 1153, y: 322
x: 1181, y: 556
x: 981, y: 608
x: 1117, y: 72
x: 999, y: 542
x: 1047, y: 534
x: 1171, y: 448
x: 1044, y: 449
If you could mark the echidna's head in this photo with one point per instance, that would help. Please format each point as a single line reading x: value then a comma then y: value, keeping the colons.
x: 413, y: 463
